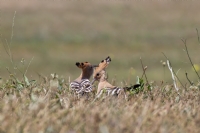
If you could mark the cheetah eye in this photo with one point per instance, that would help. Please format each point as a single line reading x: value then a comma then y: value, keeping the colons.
x: 102, y: 61
x: 97, y: 74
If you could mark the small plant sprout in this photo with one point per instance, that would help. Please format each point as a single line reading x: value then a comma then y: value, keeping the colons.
x: 144, y: 71
x: 186, y: 74
x: 163, y: 64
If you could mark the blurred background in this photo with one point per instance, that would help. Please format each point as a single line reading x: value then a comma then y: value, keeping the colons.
x: 56, y: 34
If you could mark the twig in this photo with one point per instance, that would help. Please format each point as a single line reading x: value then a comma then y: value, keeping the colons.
x: 9, y: 52
x: 11, y: 37
x: 28, y: 66
x: 184, y: 41
x: 144, y: 71
x: 7, y: 49
x: 186, y: 74
x: 4, y: 46
x: 173, y: 77
x: 173, y: 73
x: 8, y: 70
x: 198, y: 35
x: 164, y: 69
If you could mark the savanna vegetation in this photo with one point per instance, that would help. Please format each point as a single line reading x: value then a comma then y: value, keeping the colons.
x: 42, y: 40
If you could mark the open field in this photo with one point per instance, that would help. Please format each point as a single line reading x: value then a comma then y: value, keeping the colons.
x: 54, y: 35
x: 59, y: 33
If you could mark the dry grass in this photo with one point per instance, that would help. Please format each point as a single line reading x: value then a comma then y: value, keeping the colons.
x: 48, y: 107
x: 59, y: 33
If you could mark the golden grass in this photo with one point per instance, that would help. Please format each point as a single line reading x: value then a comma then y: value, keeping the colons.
x: 59, y: 33
x: 42, y: 107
